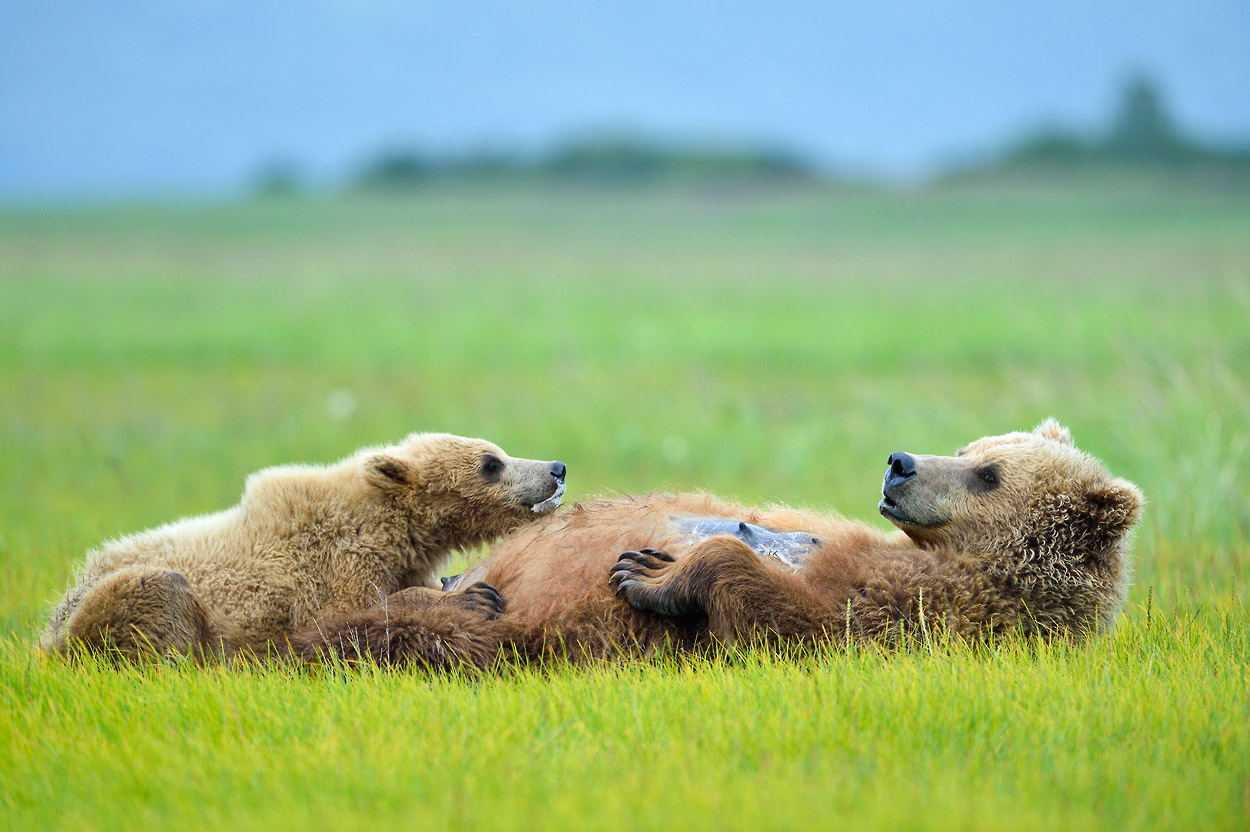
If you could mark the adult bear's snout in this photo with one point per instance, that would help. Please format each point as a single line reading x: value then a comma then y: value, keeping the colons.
x: 902, y: 468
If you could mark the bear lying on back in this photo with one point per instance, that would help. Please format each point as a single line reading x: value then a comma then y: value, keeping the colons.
x: 303, y: 541
x: 1020, y: 533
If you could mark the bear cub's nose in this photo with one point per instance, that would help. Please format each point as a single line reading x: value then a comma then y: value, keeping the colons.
x: 902, y: 467
x: 558, y: 470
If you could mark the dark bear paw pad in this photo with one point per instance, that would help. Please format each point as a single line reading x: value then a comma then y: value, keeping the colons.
x: 484, y: 597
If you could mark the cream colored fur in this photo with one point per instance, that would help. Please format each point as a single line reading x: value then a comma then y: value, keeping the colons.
x: 304, y: 540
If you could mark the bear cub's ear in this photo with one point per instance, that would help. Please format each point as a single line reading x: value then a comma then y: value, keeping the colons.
x: 388, y: 473
x: 1112, y: 508
x: 1051, y: 429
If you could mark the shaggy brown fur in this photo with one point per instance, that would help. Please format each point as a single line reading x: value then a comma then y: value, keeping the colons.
x: 307, y: 541
x: 433, y: 629
x: 1018, y: 533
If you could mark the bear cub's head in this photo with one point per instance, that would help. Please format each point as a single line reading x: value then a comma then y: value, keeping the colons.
x: 1011, y: 494
x: 468, y: 483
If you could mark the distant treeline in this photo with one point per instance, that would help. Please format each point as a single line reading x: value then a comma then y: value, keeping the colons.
x: 1142, y: 136
x: 592, y: 161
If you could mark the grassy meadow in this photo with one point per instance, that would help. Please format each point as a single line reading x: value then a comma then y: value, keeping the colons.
x: 771, y: 346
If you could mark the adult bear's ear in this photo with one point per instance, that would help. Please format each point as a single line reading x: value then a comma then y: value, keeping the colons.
x: 388, y: 473
x: 1110, y: 511
x: 1051, y: 429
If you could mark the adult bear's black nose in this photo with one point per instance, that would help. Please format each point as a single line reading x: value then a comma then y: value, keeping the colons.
x: 558, y: 470
x: 902, y: 468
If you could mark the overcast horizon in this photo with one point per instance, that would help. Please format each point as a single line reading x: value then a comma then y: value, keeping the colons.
x: 143, y: 98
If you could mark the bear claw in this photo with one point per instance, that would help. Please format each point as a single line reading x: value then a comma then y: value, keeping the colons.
x: 485, y: 597
x: 646, y: 558
x: 639, y: 577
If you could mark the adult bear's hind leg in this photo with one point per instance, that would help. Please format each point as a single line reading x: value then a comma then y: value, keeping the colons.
x: 479, y: 597
x: 416, y: 626
x: 141, y: 611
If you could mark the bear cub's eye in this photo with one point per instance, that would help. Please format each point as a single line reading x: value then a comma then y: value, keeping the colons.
x: 492, y: 467
x: 988, y: 475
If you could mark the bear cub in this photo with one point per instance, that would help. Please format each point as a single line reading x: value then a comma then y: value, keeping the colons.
x: 305, y: 541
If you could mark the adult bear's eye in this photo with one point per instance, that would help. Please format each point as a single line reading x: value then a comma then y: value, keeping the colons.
x: 989, y: 476
x: 492, y: 467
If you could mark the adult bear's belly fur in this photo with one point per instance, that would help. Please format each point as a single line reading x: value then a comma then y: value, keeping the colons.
x: 552, y: 574
x: 790, y: 548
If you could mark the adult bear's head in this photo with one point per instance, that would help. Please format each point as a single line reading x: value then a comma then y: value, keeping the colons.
x: 467, y: 488
x: 1018, y: 492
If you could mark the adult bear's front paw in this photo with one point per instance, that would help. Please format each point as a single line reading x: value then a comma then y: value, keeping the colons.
x: 644, y: 579
x: 482, y: 598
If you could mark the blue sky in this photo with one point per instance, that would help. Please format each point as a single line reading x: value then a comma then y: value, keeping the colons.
x: 191, y: 95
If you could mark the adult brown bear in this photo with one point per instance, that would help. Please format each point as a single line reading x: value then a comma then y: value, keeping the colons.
x: 1016, y: 533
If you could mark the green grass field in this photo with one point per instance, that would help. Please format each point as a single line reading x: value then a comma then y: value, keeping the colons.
x: 774, y: 347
